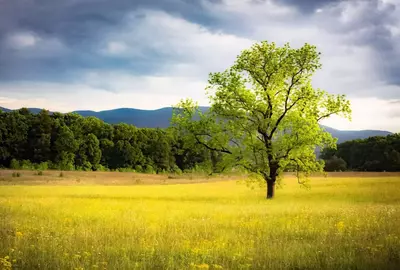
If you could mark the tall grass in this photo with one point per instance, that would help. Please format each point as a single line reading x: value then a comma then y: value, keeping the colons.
x: 340, y: 223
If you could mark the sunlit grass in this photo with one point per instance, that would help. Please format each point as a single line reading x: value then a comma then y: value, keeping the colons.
x: 340, y: 223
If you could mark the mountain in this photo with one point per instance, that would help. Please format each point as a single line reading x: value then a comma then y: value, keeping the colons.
x: 161, y: 118
x: 140, y: 118
x: 32, y: 110
x: 5, y: 109
x: 348, y: 135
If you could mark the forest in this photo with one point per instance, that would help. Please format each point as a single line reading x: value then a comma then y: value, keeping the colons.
x: 375, y: 154
x: 72, y: 142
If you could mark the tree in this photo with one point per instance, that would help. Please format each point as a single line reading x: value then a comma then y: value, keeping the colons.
x: 371, y: 154
x: 40, y: 137
x: 156, y: 147
x: 89, y: 153
x: 14, y: 143
x: 264, y: 113
x: 64, y: 148
x: 335, y: 164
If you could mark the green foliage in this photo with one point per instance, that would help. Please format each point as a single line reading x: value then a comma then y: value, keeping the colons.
x: 264, y: 113
x: 101, y: 168
x: 39, y: 137
x: 68, y: 141
x: 86, y: 166
x: 149, y: 169
x: 138, y: 168
x: 176, y: 170
x: 14, y: 164
x: 126, y: 170
x: 43, y: 166
x: 371, y: 154
x: 335, y: 164
x: 65, y: 161
x: 27, y: 165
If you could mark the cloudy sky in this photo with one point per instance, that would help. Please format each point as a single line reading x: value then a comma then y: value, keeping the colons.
x: 66, y: 55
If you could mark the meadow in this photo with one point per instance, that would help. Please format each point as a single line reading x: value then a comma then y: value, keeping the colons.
x: 81, y: 220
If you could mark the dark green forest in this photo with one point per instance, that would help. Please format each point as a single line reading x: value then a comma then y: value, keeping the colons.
x: 72, y: 142
x: 378, y: 154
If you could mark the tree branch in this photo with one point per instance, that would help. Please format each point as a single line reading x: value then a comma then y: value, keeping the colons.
x: 283, y: 115
x: 327, y: 115
x: 222, y: 149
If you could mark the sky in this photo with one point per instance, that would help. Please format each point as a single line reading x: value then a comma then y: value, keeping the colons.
x: 70, y: 55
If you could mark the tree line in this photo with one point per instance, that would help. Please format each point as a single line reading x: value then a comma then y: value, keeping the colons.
x: 377, y: 153
x: 72, y: 142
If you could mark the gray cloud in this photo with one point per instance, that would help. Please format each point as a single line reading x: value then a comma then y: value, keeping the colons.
x: 374, y: 24
x: 97, y: 54
x: 59, y: 40
x: 79, y: 21
x: 79, y: 26
x: 307, y: 6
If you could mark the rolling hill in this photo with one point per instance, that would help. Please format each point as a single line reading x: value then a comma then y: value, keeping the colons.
x: 161, y: 117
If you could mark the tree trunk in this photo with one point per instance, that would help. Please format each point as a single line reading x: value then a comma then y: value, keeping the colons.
x: 271, y: 179
x: 270, y: 189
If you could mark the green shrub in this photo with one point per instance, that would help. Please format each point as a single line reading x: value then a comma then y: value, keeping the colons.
x: 101, y: 168
x: 27, y: 165
x: 149, y: 169
x: 163, y: 171
x: 43, y: 166
x: 64, y: 166
x: 138, y: 168
x: 176, y: 170
x: 87, y: 166
x: 14, y: 164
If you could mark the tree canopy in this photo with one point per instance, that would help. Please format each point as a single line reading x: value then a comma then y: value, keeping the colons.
x: 265, y: 113
x: 71, y: 142
x: 372, y: 154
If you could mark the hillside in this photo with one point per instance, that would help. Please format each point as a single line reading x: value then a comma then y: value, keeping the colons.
x: 161, y: 118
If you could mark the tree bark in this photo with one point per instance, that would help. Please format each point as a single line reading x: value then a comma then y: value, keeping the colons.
x: 271, y: 179
x: 270, y: 189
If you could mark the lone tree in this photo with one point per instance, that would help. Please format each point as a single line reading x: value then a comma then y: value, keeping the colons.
x: 264, y: 113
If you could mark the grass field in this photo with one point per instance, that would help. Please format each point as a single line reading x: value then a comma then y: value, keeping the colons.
x: 116, y: 221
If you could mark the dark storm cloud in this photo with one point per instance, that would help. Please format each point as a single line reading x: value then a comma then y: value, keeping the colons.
x: 79, y: 26
x: 77, y: 21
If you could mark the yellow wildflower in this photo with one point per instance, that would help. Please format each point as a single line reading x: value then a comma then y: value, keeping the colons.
x: 340, y: 226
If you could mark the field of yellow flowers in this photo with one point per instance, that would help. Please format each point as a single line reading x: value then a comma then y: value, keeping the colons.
x: 340, y: 223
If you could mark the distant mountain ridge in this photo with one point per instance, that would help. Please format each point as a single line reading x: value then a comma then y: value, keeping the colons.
x: 161, y: 118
